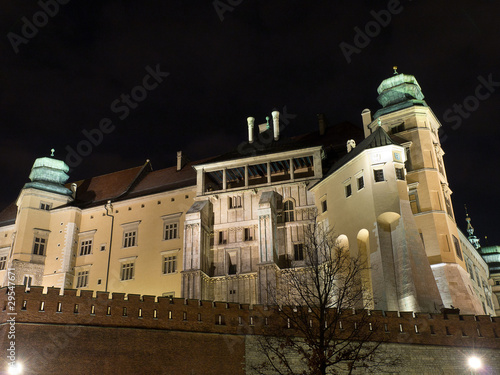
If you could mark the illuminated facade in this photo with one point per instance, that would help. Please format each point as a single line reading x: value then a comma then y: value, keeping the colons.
x: 224, y: 228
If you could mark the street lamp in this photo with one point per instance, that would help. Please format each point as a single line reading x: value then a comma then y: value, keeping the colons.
x: 15, y: 369
x: 474, y: 364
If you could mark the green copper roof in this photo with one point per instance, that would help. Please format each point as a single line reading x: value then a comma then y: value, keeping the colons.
x: 49, y: 174
x: 399, y: 88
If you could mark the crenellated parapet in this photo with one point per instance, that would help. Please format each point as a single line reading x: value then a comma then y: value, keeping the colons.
x: 101, y: 309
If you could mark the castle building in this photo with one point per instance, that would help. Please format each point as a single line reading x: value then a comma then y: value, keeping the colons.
x: 225, y: 228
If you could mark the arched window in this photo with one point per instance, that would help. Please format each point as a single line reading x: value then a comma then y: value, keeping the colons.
x: 288, y: 210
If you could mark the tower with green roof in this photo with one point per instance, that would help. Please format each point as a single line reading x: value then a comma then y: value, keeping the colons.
x: 409, y: 121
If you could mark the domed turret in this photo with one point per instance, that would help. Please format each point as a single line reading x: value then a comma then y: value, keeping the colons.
x: 399, y: 91
x: 49, y: 174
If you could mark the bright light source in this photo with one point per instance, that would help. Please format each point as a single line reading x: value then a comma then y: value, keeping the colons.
x: 475, y: 363
x: 15, y: 369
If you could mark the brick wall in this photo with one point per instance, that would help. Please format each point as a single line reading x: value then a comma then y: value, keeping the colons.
x: 82, y: 331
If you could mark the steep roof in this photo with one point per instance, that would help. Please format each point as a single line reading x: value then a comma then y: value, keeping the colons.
x: 8, y: 214
x: 132, y: 183
x: 378, y: 138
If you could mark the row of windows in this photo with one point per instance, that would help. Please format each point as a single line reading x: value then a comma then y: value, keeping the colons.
x: 248, y: 235
x: 127, y: 271
x: 129, y: 239
x: 378, y: 176
x: 360, y: 181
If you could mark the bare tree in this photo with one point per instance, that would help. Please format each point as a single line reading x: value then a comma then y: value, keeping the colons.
x: 322, y: 303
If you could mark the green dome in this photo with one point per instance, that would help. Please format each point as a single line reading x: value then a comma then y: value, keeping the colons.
x: 49, y: 174
x: 399, y: 88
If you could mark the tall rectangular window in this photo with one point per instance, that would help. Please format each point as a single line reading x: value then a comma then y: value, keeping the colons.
x: 82, y: 279
x: 27, y: 281
x: 298, y: 251
x: 348, y: 190
x: 361, y: 183
x: 169, y: 264
x: 127, y: 271
x: 129, y: 238
x: 3, y: 262
x: 171, y: 231
x: 39, y: 246
x: 413, y: 197
x: 457, y: 248
x: 400, y: 174
x: 85, y: 247
x: 324, y: 206
x: 378, y: 174
x: 248, y: 234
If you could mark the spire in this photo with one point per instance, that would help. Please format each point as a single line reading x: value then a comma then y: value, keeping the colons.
x: 470, y: 229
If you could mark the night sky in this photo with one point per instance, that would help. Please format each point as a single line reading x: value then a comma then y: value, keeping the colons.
x: 218, y: 62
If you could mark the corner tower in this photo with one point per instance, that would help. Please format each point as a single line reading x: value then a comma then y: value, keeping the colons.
x: 35, y: 233
x: 407, y: 118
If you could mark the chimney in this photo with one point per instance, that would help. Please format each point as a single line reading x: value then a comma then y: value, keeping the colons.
x: 73, y: 189
x: 366, y: 116
x: 351, y: 144
x: 251, y: 122
x: 321, y: 123
x: 276, y: 125
x: 181, y: 160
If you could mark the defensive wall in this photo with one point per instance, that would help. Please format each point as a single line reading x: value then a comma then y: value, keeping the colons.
x: 83, y: 332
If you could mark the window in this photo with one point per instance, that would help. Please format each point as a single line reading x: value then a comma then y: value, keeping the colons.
x: 470, y: 269
x: 171, y: 226
x: 222, y: 237
x: 45, y: 206
x: 324, y: 206
x: 171, y: 231
x: 39, y: 246
x: 235, y: 202
x: 348, y: 190
x: 82, y: 279
x: 248, y: 234
x: 130, y: 233
x: 3, y: 262
x: 378, y: 174
x: 298, y: 251
x: 361, y: 183
x: 457, y: 248
x: 129, y: 238
x: 288, y: 210
x: 86, y: 247
x: 232, y: 262
x: 413, y: 197
x: 400, y: 174
x: 27, y: 281
x: 169, y: 264
x: 127, y: 271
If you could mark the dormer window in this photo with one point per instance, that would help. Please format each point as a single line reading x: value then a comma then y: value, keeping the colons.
x: 288, y: 210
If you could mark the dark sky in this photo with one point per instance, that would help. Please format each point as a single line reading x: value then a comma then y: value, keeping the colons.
x: 244, y: 60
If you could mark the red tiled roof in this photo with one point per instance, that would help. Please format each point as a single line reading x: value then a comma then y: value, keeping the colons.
x: 8, y: 215
x: 102, y: 188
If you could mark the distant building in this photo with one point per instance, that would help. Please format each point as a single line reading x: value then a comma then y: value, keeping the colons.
x: 225, y: 228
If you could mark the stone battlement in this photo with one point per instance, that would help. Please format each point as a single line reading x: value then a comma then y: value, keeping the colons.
x: 100, y: 309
